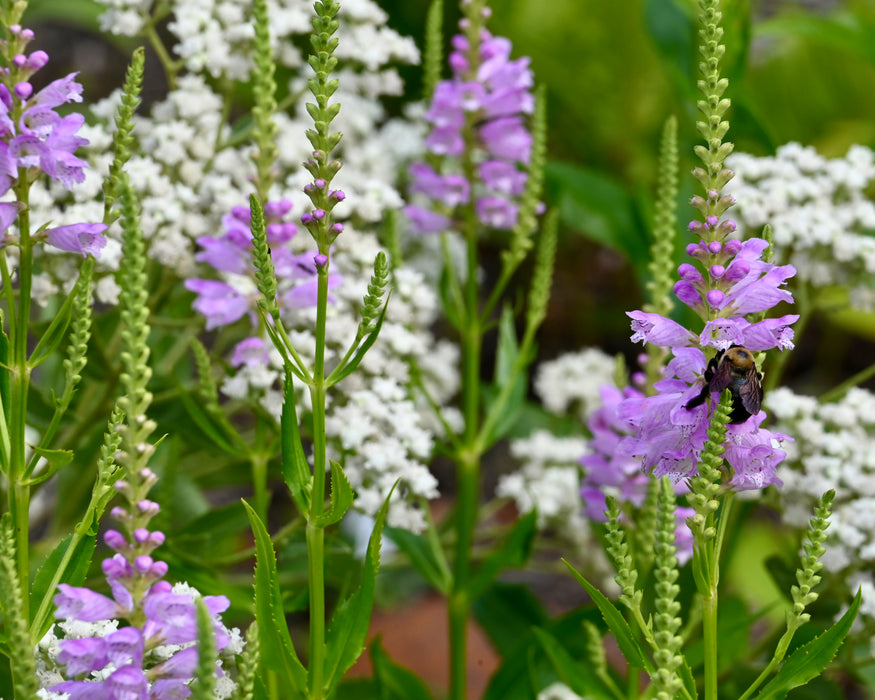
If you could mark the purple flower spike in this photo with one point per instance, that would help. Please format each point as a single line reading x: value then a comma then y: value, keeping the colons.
x: 496, y: 101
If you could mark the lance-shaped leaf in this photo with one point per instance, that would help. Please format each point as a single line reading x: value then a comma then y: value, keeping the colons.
x: 56, y: 460
x: 426, y: 555
x: 510, y: 381
x: 341, y: 497
x: 810, y: 660
x: 296, y: 469
x: 344, y: 370
x: 628, y: 642
x: 74, y: 574
x: 278, y: 652
x: 57, y: 329
x: 348, y: 629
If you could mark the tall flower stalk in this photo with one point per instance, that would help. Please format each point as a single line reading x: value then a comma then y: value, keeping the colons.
x: 683, y: 431
x: 35, y: 141
x: 332, y: 648
x: 483, y: 170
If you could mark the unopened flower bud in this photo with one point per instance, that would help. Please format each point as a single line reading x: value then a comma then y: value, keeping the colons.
x: 320, y: 260
x: 115, y: 540
x: 715, y: 298
x: 143, y: 563
x: 37, y: 60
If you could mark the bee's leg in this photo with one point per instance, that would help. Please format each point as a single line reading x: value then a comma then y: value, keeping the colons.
x: 700, y: 399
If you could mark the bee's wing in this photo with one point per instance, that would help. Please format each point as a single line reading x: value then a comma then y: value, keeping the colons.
x: 751, y: 393
x: 722, y: 378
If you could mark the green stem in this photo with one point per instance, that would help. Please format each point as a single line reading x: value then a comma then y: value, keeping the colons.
x: 467, y: 497
x: 709, y: 631
x: 19, y: 491
x: 170, y: 68
x: 316, y: 533
x: 258, y: 460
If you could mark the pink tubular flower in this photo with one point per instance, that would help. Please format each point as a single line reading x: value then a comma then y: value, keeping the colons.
x: 225, y: 302
x: 608, y: 470
x: 731, y: 281
x: 36, y: 138
x: 116, y: 664
x: 86, y: 239
x: 491, y: 106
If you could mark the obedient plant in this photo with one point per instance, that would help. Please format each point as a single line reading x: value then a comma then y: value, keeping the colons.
x: 264, y: 243
x: 689, y: 427
x: 482, y: 171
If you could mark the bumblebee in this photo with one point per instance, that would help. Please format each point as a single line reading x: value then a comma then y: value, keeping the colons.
x: 736, y: 370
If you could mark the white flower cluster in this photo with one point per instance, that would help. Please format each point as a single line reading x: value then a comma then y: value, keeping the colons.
x: 572, y: 381
x: 50, y: 672
x: 834, y: 448
x: 819, y: 211
x: 558, y: 691
x: 191, y: 169
x: 549, y: 478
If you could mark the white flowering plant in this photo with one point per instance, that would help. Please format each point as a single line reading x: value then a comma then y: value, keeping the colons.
x: 253, y: 308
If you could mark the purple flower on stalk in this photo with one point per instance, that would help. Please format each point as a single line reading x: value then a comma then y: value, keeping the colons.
x: 121, y: 664
x: 489, y: 103
x: 86, y: 239
x: 225, y: 302
x: 727, y: 281
x: 608, y: 471
x: 35, y: 138
x: 669, y: 438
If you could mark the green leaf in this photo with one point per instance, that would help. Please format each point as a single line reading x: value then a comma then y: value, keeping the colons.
x: 507, y: 613
x: 451, y: 297
x: 673, y: 31
x: 628, y: 642
x: 526, y: 668
x: 599, y: 208
x: 349, y: 624
x: 296, y: 468
x: 506, y: 361
x: 513, y: 552
x: 57, y: 328
x: 74, y: 574
x: 577, y: 676
x: 277, y: 651
x: 57, y: 459
x: 212, y: 429
x: 344, y: 371
x: 426, y: 556
x: 395, y: 682
x: 809, y: 660
x: 341, y: 497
